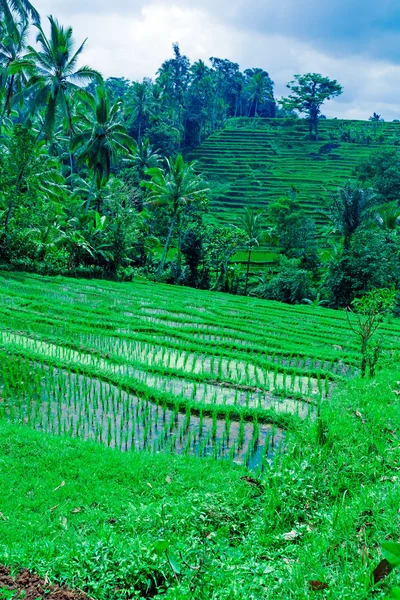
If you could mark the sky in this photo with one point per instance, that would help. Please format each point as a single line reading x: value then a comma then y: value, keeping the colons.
x: 353, y: 41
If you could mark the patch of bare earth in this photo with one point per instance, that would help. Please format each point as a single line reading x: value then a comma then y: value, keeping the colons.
x: 28, y: 586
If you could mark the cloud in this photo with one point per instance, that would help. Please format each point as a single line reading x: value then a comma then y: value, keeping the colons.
x: 133, y: 38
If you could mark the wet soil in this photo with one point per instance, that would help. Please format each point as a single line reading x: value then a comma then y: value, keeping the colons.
x: 29, y: 586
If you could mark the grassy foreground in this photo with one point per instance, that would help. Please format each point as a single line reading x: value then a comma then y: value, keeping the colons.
x: 92, y: 517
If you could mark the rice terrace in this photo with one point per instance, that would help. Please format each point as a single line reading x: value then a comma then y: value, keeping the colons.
x: 199, y: 300
x: 144, y: 367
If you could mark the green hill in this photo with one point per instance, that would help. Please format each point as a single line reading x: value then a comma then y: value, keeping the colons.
x: 251, y: 162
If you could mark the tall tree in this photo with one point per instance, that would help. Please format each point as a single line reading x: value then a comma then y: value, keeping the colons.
x: 103, y: 140
x: 140, y: 105
x: 175, y: 74
x: 250, y: 223
x: 309, y: 92
x: 20, y: 8
x: 14, y: 67
x: 260, y: 91
x: 174, y: 188
x: 57, y: 78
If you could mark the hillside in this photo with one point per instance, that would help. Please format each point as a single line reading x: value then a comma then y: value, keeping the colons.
x: 252, y: 162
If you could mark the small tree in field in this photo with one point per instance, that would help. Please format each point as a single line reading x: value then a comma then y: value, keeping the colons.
x: 369, y: 312
x: 309, y: 92
x: 250, y: 223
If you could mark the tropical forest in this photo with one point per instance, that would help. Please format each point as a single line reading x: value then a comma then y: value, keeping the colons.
x: 199, y: 330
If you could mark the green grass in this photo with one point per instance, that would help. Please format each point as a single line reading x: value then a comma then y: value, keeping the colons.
x: 110, y: 394
x: 252, y: 163
x: 99, y: 529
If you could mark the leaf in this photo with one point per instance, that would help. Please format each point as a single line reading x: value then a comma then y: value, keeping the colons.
x: 382, y: 570
x: 269, y: 569
x: 396, y: 593
x: 291, y: 536
x: 77, y: 510
x: 64, y: 523
x: 160, y: 547
x: 174, y: 563
x: 150, y: 486
x: 60, y: 486
x: 316, y: 586
x: 391, y: 551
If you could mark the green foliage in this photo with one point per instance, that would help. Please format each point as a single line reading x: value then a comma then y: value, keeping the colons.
x: 55, y: 82
x: 381, y: 171
x: 350, y: 208
x: 308, y: 94
x: 370, y: 263
x: 104, y: 141
x: 370, y: 311
x: 291, y: 284
x: 295, y: 230
x: 177, y: 189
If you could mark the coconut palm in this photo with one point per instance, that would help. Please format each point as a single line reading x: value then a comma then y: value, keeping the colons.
x: 140, y: 105
x: 250, y: 223
x: 174, y: 188
x: 20, y: 8
x: 351, y: 207
x: 199, y: 71
x: 13, y: 65
x: 257, y: 89
x: 103, y: 140
x: 145, y: 158
x: 57, y: 78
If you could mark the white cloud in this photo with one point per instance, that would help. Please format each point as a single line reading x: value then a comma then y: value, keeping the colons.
x: 135, y: 40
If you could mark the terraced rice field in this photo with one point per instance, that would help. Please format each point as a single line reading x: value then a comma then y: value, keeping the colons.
x: 147, y: 367
x: 252, y: 163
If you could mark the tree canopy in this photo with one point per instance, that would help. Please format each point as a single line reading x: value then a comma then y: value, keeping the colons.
x: 308, y: 94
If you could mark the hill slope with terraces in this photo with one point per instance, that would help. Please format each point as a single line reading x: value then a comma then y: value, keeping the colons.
x: 252, y: 162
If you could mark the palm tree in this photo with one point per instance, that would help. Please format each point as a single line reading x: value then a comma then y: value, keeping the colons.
x: 140, y: 105
x: 351, y: 206
x: 22, y: 8
x: 250, y: 223
x: 103, y: 141
x: 57, y: 78
x: 145, y: 158
x: 257, y: 89
x: 199, y: 71
x: 175, y: 187
x: 13, y: 65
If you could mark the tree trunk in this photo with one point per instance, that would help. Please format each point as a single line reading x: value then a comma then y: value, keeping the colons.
x: 87, y: 205
x: 7, y: 103
x: 179, y: 261
x: 310, y: 127
x: 139, y: 128
x: 248, y: 271
x: 166, y: 247
x: 316, y: 120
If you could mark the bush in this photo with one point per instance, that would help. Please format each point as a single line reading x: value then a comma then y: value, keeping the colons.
x: 370, y: 263
x: 291, y: 284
